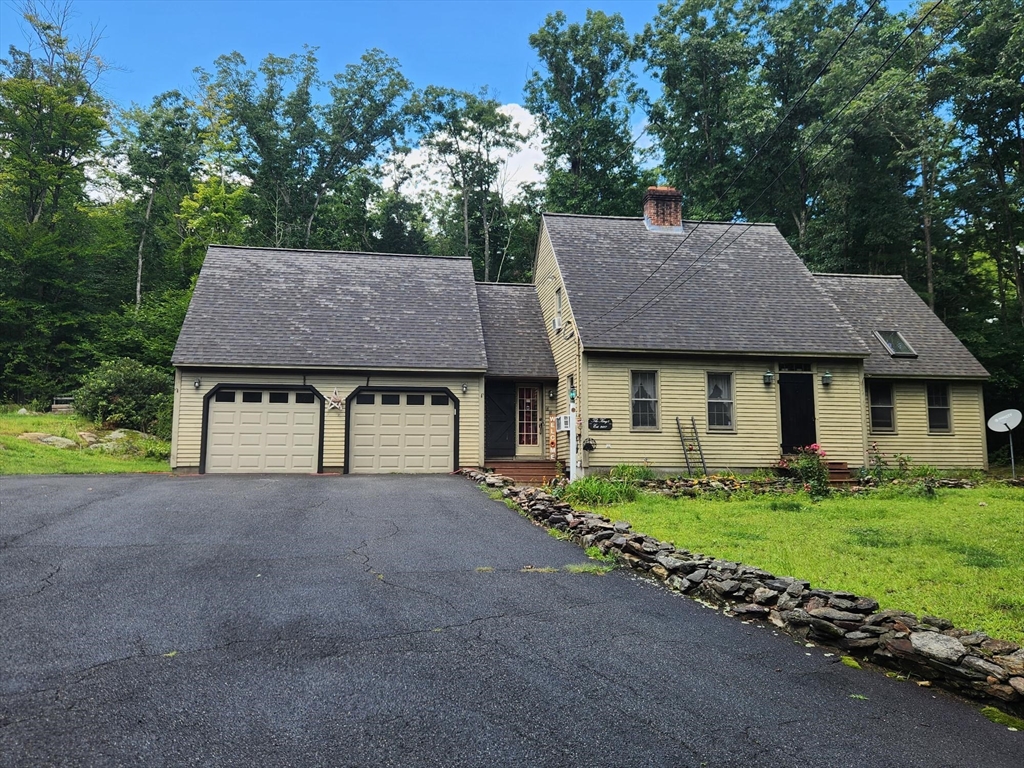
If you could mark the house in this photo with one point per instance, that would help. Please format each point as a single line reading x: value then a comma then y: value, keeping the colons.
x: 663, y: 333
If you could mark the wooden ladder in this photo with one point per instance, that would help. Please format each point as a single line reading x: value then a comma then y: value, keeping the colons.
x: 690, y: 433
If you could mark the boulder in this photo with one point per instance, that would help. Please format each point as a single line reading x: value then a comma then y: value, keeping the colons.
x: 939, y: 647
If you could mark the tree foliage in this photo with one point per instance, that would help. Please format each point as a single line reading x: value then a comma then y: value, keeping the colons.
x: 877, y: 142
x: 582, y: 102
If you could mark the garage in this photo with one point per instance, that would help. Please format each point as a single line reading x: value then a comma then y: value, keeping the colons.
x: 268, y: 429
x: 411, y: 432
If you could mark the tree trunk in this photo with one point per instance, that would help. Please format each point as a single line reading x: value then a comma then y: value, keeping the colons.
x: 487, y: 237
x: 465, y: 218
x: 926, y: 195
x: 142, y: 242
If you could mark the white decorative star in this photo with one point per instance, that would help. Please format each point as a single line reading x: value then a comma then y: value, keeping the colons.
x: 335, y: 400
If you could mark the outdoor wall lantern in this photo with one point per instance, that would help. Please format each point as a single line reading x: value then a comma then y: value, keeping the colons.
x: 826, y: 378
x: 572, y: 395
x: 769, y: 377
x: 197, y: 383
x: 552, y: 394
x: 465, y: 388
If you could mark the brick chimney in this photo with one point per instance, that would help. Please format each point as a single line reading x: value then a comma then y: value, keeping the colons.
x: 663, y: 209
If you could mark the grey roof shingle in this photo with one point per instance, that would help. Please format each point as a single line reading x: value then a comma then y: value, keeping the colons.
x: 270, y: 307
x: 886, y: 303
x: 716, y: 288
x: 514, y: 333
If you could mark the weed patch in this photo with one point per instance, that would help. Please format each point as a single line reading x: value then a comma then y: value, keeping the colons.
x: 595, y: 491
x: 1000, y: 717
x: 597, y: 569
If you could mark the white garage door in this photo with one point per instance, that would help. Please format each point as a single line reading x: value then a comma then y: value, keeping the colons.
x: 252, y: 430
x: 402, y: 432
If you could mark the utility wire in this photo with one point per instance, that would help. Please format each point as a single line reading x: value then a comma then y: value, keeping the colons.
x: 679, y: 281
x: 749, y: 162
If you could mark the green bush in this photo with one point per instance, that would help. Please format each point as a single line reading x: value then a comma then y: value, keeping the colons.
x: 632, y: 473
x: 598, y: 490
x: 125, y: 393
x: 810, y: 468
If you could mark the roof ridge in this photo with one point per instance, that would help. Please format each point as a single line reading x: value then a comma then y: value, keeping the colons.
x: 641, y: 218
x: 856, y: 274
x: 336, y: 253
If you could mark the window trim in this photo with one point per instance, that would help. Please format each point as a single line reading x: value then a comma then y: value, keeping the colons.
x: 656, y: 399
x: 872, y: 429
x: 948, y: 408
x: 888, y: 347
x: 731, y: 429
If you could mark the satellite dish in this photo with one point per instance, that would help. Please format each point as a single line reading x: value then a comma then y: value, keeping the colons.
x: 1005, y: 421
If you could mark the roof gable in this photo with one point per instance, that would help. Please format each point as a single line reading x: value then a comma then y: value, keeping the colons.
x: 514, y: 333
x: 295, y: 308
x: 715, y: 288
x: 875, y: 304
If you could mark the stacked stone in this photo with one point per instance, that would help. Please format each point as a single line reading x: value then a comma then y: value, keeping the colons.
x: 931, y: 648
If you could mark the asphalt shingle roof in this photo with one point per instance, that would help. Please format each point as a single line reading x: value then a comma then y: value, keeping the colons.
x: 886, y: 303
x: 270, y: 307
x: 723, y: 288
x: 514, y: 333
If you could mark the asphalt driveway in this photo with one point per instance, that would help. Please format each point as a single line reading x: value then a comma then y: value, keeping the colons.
x: 376, y: 621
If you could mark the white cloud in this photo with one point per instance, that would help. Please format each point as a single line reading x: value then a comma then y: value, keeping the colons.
x: 520, y: 167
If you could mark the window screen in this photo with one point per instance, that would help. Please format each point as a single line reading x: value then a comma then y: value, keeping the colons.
x: 720, y: 401
x: 938, y: 408
x: 644, y: 399
x: 883, y: 411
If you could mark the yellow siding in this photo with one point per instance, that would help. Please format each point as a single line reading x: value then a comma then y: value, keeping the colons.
x: 841, y: 424
x: 963, y: 447
x: 174, y: 418
x: 565, y: 345
x: 188, y: 408
x: 682, y: 388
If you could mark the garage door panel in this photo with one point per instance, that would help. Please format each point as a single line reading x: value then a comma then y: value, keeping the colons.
x: 401, y: 437
x: 263, y: 436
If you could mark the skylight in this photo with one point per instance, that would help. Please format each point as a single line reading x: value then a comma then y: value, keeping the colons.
x: 895, y: 344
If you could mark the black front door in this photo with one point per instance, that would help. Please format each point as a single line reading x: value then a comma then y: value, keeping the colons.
x: 500, y: 420
x: 796, y: 402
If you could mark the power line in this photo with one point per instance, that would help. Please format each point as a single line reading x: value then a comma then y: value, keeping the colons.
x: 749, y: 162
x: 678, y: 282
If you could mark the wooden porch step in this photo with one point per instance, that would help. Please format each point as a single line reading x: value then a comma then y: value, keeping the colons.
x: 839, y: 471
x: 526, y: 471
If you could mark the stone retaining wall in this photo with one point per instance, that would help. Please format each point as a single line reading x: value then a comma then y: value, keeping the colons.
x: 929, y: 648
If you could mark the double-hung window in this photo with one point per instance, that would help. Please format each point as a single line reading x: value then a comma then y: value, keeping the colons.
x: 938, y: 408
x: 644, y: 399
x: 883, y: 411
x: 720, y: 416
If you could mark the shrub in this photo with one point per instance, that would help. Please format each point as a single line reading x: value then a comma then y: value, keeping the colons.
x: 126, y: 393
x: 632, y: 473
x: 598, y: 490
x: 809, y: 468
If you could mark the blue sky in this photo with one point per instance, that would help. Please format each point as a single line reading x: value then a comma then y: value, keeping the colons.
x: 462, y: 44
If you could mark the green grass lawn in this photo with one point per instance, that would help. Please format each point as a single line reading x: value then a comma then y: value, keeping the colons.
x: 21, y: 457
x: 959, y: 555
